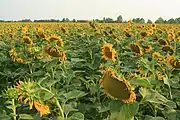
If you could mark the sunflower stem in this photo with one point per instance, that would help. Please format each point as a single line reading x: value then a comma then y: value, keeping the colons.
x: 57, y: 102
x: 14, y: 109
x: 60, y: 108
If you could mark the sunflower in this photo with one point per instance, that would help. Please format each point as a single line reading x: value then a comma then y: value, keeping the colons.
x: 163, y: 42
x: 169, y: 60
x: 171, y: 36
x: 117, y: 88
x: 43, y: 109
x: 64, y: 30
x: 143, y: 34
x: 177, y: 39
x: 130, y: 22
x: 150, y: 32
x: 54, y: 52
x: 24, y: 30
x: 159, y: 76
x: 14, y: 56
x: 27, y: 40
x: 127, y: 34
x: 153, y: 26
x: 136, y: 48
x: 53, y: 37
x: 108, y: 52
x: 176, y: 64
x: 178, y: 34
x: 169, y: 49
x: 41, y: 33
x: 147, y: 48
x: 157, y: 55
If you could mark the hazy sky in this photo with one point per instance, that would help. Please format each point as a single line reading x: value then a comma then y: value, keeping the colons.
x: 88, y: 9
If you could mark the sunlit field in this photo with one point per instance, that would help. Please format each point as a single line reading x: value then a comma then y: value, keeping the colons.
x: 89, y: 71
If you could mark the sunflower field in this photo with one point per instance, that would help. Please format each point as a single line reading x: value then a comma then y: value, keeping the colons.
x: 89, y: 71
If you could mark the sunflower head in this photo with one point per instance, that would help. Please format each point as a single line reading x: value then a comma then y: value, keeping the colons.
x: 10, y: 93
x: 14, y: 56
x: 153, y: 26
x: 147, y: 48
x: 169, y: 49
x: 27, y: 40
x: 163, y: 42
x: 42, y: 108
x: 53, y: 38
x: 127, y: 34
x: 171, y: 36
x: 169, y: 60
x: 54, y: 52
x: 143, y: 34
x: 24, y: 30
x: 108, y: 52
x: 117, y: 88
x: 157, y: 55
x: 150, y: 32
x: 136, y: 48
x: 176, y: 64
x: 27, y: 91
x: 40, y: 32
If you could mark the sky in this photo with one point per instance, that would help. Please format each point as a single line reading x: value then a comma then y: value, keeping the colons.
x: 88, y: 9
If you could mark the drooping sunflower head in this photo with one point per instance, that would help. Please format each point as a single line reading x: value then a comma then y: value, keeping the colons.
x: 169, y: 60
x: 42, y: 108
x: 147, y: 48
x: 143, y: 34
x: 163, y: 42
x: 54, y: 52
x: 27, y: 40
x: 136, y: 48
x: 14, y: 56
x: 168, y: 49
x: 56, y: 38
x: 176, y: 64
x: 40, y: 32
x: 108, y: 52
x: 53, y: 37
x: 117, y: 88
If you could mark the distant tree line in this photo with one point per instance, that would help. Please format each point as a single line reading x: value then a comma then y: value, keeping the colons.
x: 105, y: 20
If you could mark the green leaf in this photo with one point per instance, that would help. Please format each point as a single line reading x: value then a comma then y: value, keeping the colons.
x: 141, y: 82
x: 77, y: 116
x: 26, y: 117
x: 153, y: 118
x: 69, y: 108
x: 153, y: 96
x: 77, y: 60
x: 122, y: 111
x: 74, y: 94
x: 4, y: 116
x: 133, y: 108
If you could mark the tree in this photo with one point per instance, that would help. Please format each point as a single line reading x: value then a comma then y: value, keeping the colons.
x: 108, y: 20
x: 74, y: 20
x: 177, y: 20
x: 149, y: 21
x: 171, y: 21
x: 119, y: 19
x: 159, y: 20
x: 138, y: 20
